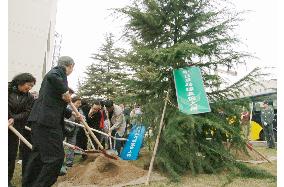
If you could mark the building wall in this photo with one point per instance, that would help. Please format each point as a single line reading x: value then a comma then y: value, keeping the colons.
x: 31, y: 37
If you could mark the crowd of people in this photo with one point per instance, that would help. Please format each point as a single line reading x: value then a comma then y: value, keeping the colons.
x: 44, y: 120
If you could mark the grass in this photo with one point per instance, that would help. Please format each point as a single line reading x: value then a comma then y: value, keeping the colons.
x: 202, y: 180
x: 213, y: 181
x: 217, y: 180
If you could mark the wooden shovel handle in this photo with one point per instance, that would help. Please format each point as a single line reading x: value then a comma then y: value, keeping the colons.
x: 87, y: 126
x: 94, y: 130
x: 75, y: 147
x: 109, y: 133
x: 157, y: 139
x: 20, y: 136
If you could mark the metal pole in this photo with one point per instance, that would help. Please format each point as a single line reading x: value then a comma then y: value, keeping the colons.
x: 80, y: 125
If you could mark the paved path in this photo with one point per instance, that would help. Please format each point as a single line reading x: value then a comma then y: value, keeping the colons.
x: 271, y: 158
x: 260, y: 143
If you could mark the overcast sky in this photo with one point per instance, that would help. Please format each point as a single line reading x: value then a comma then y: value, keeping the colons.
x: 83, y: 24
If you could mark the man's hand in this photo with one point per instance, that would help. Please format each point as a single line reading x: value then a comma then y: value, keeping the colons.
x: 10, y: 121
x: 91, y: 113
x: 66, y: 97
x: 80, y: 117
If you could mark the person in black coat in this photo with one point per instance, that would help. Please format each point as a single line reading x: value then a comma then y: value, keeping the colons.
x: 97, y: 116
x: 20, y: 103
x: 81, y: 139
x: 47, y: 122
x: 24, y: 150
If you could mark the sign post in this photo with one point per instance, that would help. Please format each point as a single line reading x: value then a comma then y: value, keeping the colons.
x: 157, y: 140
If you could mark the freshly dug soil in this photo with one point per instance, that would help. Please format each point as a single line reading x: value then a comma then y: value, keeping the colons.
x: 99, y: 170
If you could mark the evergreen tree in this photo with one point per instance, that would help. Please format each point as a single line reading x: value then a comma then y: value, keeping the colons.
x: 171, y: 34
x: 105, y: 75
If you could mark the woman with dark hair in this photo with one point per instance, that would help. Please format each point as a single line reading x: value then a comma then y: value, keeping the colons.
x: 20, y: 102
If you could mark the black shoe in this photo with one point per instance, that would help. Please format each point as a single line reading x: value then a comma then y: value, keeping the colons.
x: 63, y: 171
x: 69, y: 165
x: 84, y: 157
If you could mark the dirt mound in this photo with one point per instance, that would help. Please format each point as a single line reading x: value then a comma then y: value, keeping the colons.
x: 99, y: 170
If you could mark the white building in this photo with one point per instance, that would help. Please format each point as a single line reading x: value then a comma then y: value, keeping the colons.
x: 31, y: 37
x: 265, y: 87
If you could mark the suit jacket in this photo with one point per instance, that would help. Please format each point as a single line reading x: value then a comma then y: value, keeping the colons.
x: 95, y: 119
x: 267, y: 115
x: 118, y: 120
x: 50, y: 109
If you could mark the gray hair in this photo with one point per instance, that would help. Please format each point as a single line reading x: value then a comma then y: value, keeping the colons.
x: 65, y: 61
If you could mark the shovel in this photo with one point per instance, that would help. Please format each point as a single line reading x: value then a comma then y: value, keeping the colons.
x: 95, y: 130
x: 262, y: 156
x: 110, y: 142
x: 108, y: 154
x: 82, y: 151
x: 23, y: 139
x: 89, y: 139
x: 74, y: 147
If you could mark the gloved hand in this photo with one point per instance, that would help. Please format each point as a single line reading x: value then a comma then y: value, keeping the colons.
x: 264, y: 123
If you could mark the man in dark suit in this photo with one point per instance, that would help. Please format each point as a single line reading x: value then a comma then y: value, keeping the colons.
x: 267, y: 116
x: 47, y: 120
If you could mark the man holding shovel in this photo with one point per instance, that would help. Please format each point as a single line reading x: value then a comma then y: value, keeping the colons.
x: 47, y: 120
x: 117, y: 123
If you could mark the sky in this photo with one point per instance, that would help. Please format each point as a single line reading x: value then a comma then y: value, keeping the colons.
x: 83, y: 24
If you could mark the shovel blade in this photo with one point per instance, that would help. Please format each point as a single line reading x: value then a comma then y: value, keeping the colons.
x: 108, y: 153
x: 112, y: 152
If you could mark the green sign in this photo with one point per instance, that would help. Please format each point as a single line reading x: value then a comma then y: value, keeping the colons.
x: 191, y: 95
